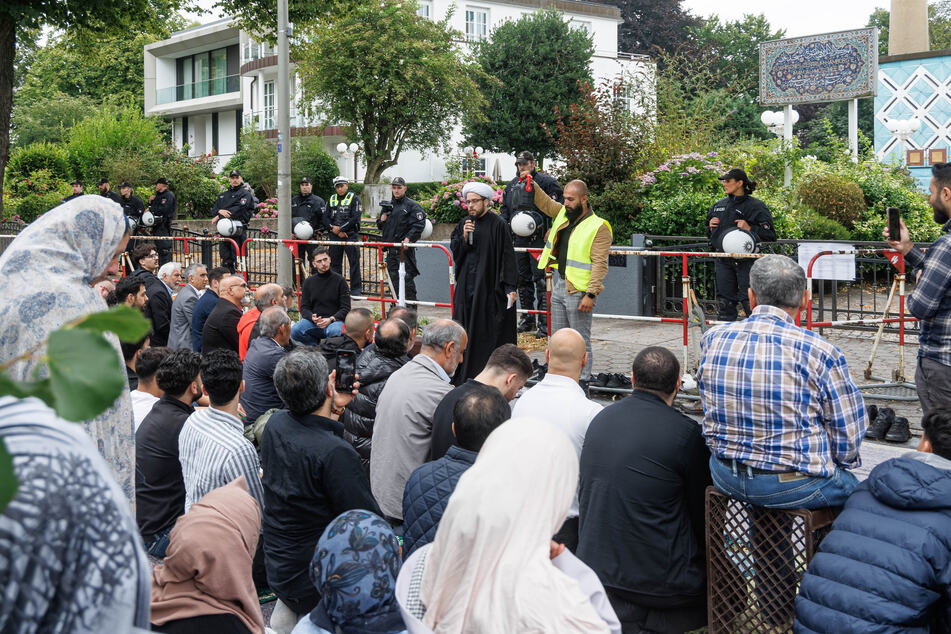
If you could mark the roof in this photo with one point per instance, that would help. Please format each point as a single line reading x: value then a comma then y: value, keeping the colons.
x: 572, y: 6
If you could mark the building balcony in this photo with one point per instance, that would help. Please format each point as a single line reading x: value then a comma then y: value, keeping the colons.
x: 198, y: 89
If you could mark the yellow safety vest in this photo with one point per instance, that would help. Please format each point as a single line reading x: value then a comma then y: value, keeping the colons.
x: 578, y: 260
x: 335, y: 202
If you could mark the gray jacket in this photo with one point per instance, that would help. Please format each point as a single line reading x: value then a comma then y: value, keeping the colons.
x: 402, y: 430
x: 180, y: 332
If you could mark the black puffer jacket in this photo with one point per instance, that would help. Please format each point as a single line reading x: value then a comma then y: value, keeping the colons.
x: 374, y: 369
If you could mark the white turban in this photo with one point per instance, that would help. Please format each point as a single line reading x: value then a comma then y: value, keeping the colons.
x: 481, y: 189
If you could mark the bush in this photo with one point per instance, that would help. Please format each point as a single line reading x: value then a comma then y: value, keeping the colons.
x: 619, y: 204
x: 257, y: 161
x: 309, y: 158
x: 764, y: 161
x: 818, y: 227
x: 28, y: 198
x: 423, y: 191
x: 683, y: 214
x: 834, y: 196
x: 109, y: 134
x: 39, y: 156
x: 193, y: 181
x: 448, y: 205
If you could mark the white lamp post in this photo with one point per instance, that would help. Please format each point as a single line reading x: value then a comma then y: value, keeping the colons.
x: 904, y: 129
x: 473, y: 152
x: 780, y: 123
x: 345, y: 152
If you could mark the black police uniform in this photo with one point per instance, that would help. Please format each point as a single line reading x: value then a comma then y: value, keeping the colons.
x: 406, y: 220
x: 240, y: 201
x: 163, y: 208
x: 111, y: 195
x: 71, y: 196
x: 308, y: 208
x: 133, y: 207
x: 345, y: 213
x: 733, y: 276
x: 531, y: 279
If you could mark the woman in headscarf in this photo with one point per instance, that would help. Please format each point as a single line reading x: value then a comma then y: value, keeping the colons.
x: 46, y: 278
x: 71, y: 560
x: 204, y: 584
x: 354, y: 569
x: 492, y: 566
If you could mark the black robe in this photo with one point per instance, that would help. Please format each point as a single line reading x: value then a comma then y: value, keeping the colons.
x: 485, y: 274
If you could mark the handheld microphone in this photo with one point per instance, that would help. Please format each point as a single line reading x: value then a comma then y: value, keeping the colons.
x: 472, y: 235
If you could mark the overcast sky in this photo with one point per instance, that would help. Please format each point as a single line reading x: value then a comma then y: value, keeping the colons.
x: 802, y: 17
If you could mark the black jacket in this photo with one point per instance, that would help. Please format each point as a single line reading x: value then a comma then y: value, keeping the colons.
x: 325, y: 295
x: 240, y: 201
x: 259, y: 394
x: 644, y: 470
x: 407, y: 220
x: 163, y: 208
x: 347, y: 217
x: 114, y: 197
x: 516, y: 199
x: 733, y: 208
x: 71, y: 196
x: 133, y: 207
x: 309, y: 208
x: 159, y: 308
x: 221, y: 328
x: 374, y: 370
x: 442, y: 437
x: 330, y: 346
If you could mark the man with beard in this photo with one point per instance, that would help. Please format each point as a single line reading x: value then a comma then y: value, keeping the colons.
x: 486, y: 280
x: 931, y: 300
x: 578, y: 245
x: 104, y: 190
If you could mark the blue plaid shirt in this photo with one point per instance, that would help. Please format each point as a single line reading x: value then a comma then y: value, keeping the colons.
x: 778, y: 397
x: 931, y: 300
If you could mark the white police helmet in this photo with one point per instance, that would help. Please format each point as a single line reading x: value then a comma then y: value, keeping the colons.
x: 523, y: 224
x: 341, y: 180
x: 738, y: 240
x: 228, y: 227
x: 303, y: 230
x: 148, y: 219
x: 427, y: 230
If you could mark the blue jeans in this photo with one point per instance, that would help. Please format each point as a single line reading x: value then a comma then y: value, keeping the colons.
x: 310, y: 334
x: 158, y: 544
x: 785, y: 491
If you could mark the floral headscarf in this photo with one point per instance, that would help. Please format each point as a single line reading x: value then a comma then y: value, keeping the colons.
x: 354, y: 569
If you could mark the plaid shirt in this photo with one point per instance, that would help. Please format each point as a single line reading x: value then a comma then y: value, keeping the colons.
x: 778, y: 397
x: 931, y: 301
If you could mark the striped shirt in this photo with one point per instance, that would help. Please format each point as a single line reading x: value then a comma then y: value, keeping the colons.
x: 213, y: 452
x: 931, y: 300
x: 778, y: 397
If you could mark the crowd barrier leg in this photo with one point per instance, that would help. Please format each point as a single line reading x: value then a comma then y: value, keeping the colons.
x: 384, y: 281
x: 900, y: 374
x: 685, y: 281
x: 881, y: 329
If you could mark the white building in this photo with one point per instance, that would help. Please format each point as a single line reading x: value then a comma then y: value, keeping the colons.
x: 212, y: 79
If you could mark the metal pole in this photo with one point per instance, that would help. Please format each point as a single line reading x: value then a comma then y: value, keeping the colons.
x: 854, y: 129
x: 787, y: 136
x: 285, y: 260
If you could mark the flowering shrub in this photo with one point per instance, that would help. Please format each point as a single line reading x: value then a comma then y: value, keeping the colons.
x: 448, y: 204
x: 266, y: 209
x: 695, y: 172
x: 27, y: 198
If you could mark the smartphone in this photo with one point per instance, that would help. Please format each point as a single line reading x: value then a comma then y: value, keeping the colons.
x: 346, y: 369
x: 894, y: 223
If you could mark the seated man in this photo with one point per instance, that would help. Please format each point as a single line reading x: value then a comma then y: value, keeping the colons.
x: 130, y: 291
x: 324, y: 303
x: 259, y: 394
x: 205, y: 304
x: 782, y: 417
x: 159, y: 489
x: 358, y: 332
x: 180, y: 332
x: 506, y: 370
x: 221, y: 327
x: 475, y: 415
x: 644, y: 471
x: 266, y: 296
x: 212, y: 447
x: 886, y: 565
x: 409, y: 317
x: 311, y: 474
x: 147, y: 392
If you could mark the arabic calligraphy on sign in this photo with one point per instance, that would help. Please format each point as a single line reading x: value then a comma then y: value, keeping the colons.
x: 815, y: 68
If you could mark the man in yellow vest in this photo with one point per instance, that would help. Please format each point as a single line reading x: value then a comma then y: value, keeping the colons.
x: 342, y: 220
x: 577, y: 244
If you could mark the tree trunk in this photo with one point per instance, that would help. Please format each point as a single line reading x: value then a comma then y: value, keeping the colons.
x: 7, y: 52
x: 374, y: 169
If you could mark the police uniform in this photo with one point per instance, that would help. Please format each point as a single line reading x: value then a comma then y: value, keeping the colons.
x: 308, y: 208
x: 345, y: 212
x: 71, y: 196
x: 733, y: 276
x: 133, y: 208
x: 111, y: 195
x: 240, y: 201
x: 532, y: 293
x: 406, y: 220
x: 163, y: 208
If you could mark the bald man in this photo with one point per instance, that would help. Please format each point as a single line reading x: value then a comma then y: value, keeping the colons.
x: 357, y: 333
x: 221, y: 327
x: 266, y: 296
x: 559, y: 399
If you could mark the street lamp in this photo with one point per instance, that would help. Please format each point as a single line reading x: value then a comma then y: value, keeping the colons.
x: 345, y: 151
x: 473, y: 152
x: 903, y: 129
x: 780, y: 123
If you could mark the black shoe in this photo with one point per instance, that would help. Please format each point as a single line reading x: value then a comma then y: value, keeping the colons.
x: 527, y: 324
x: 599, y: 380
x: 880, y: 426
x: 899, y: 431
x: 541, y: 333
x: 624, y: 380
x: 872, y: 412
x: 539, y: 370
x: 585, y: 387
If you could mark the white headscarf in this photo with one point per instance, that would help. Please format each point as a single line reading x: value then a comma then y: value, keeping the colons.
x: 489, y: 569
x: 479, y: 188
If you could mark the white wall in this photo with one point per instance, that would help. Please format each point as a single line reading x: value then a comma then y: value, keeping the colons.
x: 164, y: 73
x: 227, y: 124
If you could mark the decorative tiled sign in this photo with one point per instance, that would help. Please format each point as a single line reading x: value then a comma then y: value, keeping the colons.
x: 937, y: 156
x: 915, y: 158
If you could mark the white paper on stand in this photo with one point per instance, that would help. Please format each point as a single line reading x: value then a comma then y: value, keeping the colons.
x: 828, y: 267
x: 401, y: 300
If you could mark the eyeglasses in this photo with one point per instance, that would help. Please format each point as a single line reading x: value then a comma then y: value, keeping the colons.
x: 152, y: 255
x: 472, y: 201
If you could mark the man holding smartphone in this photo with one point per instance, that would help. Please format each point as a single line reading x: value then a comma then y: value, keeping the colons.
x: 931, y: 300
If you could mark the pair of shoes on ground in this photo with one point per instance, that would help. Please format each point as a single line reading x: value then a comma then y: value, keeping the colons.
x: 539, y: 370
x: 614, y: 380
x: 884, y: 425
x: 528, y: 325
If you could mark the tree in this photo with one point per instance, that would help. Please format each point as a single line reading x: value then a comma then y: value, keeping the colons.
x: 48, y: 118
x: 397, y: 79
x: 91, y: 18
x: 535, y: 64
x: 260, y: 16
x: 652, y: 26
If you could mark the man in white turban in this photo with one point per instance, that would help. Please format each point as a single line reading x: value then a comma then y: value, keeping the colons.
x: 486, y: 279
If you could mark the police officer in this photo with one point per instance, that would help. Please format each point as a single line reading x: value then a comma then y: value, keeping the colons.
x: 132, y: 207
x: 77, y: 186
x: 104, y: 190
x: 308, y: 207
x: 237, y: 202
x: 737, y: 209
x: 162, y: 205
x: 531, y: 279
x: 342, y: 220
x: 404, y: 222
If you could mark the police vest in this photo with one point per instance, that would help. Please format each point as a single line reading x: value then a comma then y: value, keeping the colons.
x: 578, y: 259
x: 336, y: 202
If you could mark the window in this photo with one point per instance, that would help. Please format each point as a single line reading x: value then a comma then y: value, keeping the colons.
x: 269, y: 105
x: 473, y: 166
x: 425, y: 9
x: 477, y: 24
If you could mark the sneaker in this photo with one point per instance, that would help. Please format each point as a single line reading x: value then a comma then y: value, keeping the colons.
x: 599, y: 380
x: 624, y: 380
x: 541, y: 333
x: 527, y: 324
x: 872, y: 412
x: 899, y: 431
x: 613, y: 382
x: 880, y: 426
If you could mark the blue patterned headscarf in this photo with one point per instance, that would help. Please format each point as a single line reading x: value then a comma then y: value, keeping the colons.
x: 354, y: 569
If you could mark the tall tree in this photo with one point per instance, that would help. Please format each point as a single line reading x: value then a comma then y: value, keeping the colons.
x: 91, y: 17
x: 536, y: 65
x: 651, y: 26
x: 396, y: 78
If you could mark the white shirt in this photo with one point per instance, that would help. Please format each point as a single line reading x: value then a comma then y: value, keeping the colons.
x: 560, y: 401
x: 142, y: 403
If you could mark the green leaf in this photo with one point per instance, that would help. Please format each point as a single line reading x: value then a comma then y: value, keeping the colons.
x: 8, y: 478
x: 39, y: 387
x: 86, y: 376
x: 127, y: 323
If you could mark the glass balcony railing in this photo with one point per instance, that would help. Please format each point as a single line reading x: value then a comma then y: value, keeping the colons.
x: 266, y: 119
x: 198, y: 89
